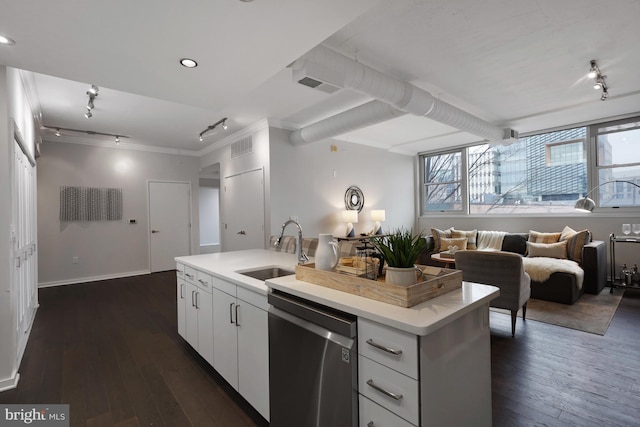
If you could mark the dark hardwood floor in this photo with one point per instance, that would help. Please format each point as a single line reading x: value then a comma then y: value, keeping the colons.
x: 110, y: 349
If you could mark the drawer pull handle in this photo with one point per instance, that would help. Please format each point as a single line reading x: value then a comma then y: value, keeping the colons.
x: 237, y: 321
x: 231, y: 313
x: 383, y: 348
x: 190, y: 276
x: 383, y: 391
x: 181, y: 290
x: 203, y: 282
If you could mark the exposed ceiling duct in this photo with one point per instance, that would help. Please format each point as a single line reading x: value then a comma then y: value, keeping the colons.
x: 331, y: 68
x: 363, y: 115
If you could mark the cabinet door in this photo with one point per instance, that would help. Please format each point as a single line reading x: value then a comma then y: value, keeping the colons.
x: 182, y: 307
x: 225, y: 336
x: 191, y: 316
x: 204, y: 309
x: 253, y: 356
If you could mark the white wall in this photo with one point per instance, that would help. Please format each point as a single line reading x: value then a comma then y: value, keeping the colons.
x: 110, y: 248
x: 309, y: 181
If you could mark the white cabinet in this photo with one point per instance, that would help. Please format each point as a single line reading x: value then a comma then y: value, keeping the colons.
x: 195, y: 310
x: 404, y: 379
x: 225, y: 336
x: 387, y: 375
x: 241, y: 350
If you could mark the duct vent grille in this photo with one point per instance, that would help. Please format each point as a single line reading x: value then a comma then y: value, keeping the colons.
x: 317, y: 84
x: 242, y: 147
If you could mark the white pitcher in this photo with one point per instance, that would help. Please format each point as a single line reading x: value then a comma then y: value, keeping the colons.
x: 327, y: 253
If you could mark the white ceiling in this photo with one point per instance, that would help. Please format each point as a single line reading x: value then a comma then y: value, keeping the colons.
x: 515, y: 63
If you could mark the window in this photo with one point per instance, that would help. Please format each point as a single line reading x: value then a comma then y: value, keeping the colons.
x: 539, y: 174
x: 618, y: 159
x: 442, y: 182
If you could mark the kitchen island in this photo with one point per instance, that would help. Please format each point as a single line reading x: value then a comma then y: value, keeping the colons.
x: 440, y: 360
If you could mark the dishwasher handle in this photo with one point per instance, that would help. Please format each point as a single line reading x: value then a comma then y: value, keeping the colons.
x: 313, y: 328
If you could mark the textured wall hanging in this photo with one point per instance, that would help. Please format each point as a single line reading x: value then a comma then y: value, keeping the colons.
x: 90, y: 204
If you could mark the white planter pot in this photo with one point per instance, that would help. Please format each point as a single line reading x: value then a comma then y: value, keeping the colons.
x: 401, y: 276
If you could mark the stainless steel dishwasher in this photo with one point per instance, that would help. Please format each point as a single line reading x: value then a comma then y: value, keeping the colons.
x: 313, y: 364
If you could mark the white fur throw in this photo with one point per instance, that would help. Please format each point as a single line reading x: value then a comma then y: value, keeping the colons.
x: 541, y: 268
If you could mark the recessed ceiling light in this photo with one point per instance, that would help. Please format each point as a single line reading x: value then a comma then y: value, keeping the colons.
x: 6, y: 40
x: 188, y: 62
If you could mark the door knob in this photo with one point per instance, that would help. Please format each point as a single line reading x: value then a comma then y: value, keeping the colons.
x: 155, y: 231
x: 242, y: 232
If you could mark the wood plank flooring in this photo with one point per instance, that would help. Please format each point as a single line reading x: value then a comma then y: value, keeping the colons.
x: 111, y: 350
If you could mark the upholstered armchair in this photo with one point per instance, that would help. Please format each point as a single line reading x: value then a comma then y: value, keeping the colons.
x: 503, y: 270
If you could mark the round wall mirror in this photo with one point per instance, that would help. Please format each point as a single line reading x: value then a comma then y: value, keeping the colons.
x: 354, y: 199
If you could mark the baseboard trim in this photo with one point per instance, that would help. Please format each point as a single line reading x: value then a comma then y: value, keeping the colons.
x: 9, y: 383
x: 92, y: 279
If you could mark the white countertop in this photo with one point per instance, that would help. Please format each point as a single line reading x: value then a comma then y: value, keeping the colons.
x: 421, y: 319
x: 227, y: 264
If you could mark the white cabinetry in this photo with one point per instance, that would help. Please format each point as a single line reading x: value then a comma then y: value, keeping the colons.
x: 240, y: 333
x: 195, y: 309
x: 405, y: 379
x: 387, y: 376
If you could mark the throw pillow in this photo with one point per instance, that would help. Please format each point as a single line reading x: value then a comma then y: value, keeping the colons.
x: 575, y: 242
x: 471, y: 237
x: 446, y: 242
x: 438, y: 235
x: 515, y: 242
x: 549, y: 250
x: 538, y: 237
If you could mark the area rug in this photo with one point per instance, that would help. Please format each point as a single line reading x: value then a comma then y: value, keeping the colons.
x: 591, y: 313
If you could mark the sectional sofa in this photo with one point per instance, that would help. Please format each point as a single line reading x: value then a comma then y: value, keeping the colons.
x: 562, y: 265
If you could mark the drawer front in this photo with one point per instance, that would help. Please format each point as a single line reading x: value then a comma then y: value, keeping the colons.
x: 389, y: 346
x: 180, y: 271
x: 190, y: 274
x: 390, y: 389
x: 253, y: 298
x: 204, y: 281
x: 374, y: 415
x: 224, y: 286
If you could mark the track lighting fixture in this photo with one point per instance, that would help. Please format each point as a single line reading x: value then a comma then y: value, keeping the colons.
x: 222, y: 122
x: 599, y: 80
x: 57, y: 130
x: 93, y: 94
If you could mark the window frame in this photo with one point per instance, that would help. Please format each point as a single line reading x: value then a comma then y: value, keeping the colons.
x: 464, y: 178
x: 591, y: 148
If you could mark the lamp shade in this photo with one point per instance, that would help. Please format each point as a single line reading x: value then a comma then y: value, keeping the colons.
x: 585, y: 205
x: 378, y: 215
x: 350, y: 216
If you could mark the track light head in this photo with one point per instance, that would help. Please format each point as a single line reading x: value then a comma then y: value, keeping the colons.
x: 93, y: 90
x: 58, y: 132
x: 88, y: 114
x: 117, y: 140
x: 224, y: 124
x: 599, y: 79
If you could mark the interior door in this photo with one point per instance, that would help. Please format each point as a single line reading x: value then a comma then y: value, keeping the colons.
x: 244, y: 211
x: 169, y: 223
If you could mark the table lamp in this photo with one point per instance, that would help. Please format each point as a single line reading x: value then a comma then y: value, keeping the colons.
x: 377, y: 216
x: 350, y: 217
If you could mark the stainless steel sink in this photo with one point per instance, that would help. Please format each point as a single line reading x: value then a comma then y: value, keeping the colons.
x: 266, y: 273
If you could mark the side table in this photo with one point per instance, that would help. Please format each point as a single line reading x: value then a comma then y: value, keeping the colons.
x: 613, y: 240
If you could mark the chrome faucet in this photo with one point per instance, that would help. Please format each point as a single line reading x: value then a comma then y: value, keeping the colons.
x: 302, y: 257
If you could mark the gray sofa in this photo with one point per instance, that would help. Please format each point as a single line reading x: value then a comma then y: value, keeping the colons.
x: 561, y: 286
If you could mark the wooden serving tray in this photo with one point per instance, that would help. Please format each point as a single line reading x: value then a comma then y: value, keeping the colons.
x: 436, y: 281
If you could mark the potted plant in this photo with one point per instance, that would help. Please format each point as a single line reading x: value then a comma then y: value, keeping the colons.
x: 401, y: 248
